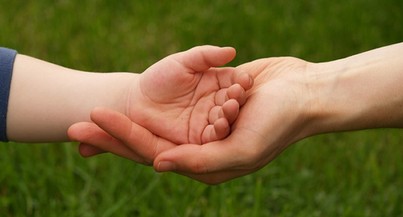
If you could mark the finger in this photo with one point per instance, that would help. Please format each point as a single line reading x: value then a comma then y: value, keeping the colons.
x: 233, y: 92
x: 211, y: 157
x: 219, y: 130
x: 90, y: 133
x: 221, y: 97
x: 215, y: 113
x: 87, y: 150
x: 202, y: 58
x: 230, y: 110
x: 243, y: 79
x: 132, y: 135
x: 195, y: 159
x: 228, y: 76
x: 208, y: 132
x: 236, y: 92
x: 207, y: 165
x: 244, y: 149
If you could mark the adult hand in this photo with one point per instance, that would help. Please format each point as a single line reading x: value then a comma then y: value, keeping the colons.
x: 272, y: 118
x: 291, y: 99
x: 182, y: 99
x: 276, y: 115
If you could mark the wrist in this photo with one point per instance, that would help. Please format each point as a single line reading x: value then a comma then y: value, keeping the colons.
x: 326, y: 105
x: 339, y: 102
x: 358, y: 92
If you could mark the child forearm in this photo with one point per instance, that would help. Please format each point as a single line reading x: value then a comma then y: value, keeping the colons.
x: 45, y: 99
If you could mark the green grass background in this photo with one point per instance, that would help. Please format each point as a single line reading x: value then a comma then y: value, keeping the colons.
x: 343, y: 174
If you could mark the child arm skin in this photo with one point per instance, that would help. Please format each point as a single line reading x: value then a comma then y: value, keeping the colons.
x: 45, y: 98
x: 291, y: 99
x: 184, y: 89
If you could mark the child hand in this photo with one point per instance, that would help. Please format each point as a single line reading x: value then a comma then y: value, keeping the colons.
x: 180, y: 98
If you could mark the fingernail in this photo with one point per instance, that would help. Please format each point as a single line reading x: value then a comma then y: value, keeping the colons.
x: 165, y: 166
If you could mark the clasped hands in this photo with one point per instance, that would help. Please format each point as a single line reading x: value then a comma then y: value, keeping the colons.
x: 189, y: 115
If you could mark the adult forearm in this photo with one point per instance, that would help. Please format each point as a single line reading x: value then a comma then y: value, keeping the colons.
x: 360, y: 92
x: 45, y: 99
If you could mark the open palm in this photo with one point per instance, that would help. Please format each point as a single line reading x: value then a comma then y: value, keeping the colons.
x: 275, y: 115
x: 183, y: 99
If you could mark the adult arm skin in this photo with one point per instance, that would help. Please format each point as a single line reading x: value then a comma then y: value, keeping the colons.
x: 45, y: 99
x: 291, y: 99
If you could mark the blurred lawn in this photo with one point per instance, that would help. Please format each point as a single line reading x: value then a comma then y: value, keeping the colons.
x: 344, y: 174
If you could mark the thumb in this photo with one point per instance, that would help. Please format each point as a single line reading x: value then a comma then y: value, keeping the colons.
x: 197, y: 159
x: 201, y: 58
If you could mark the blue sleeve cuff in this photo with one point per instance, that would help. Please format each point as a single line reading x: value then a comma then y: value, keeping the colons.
x: 7, y: 57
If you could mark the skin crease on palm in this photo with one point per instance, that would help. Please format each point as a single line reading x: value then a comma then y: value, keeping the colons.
x: 234, y: 153
x: 246, y: 150
x: 192, y: 102
x: 185, y: 99
x: 291, y: 99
